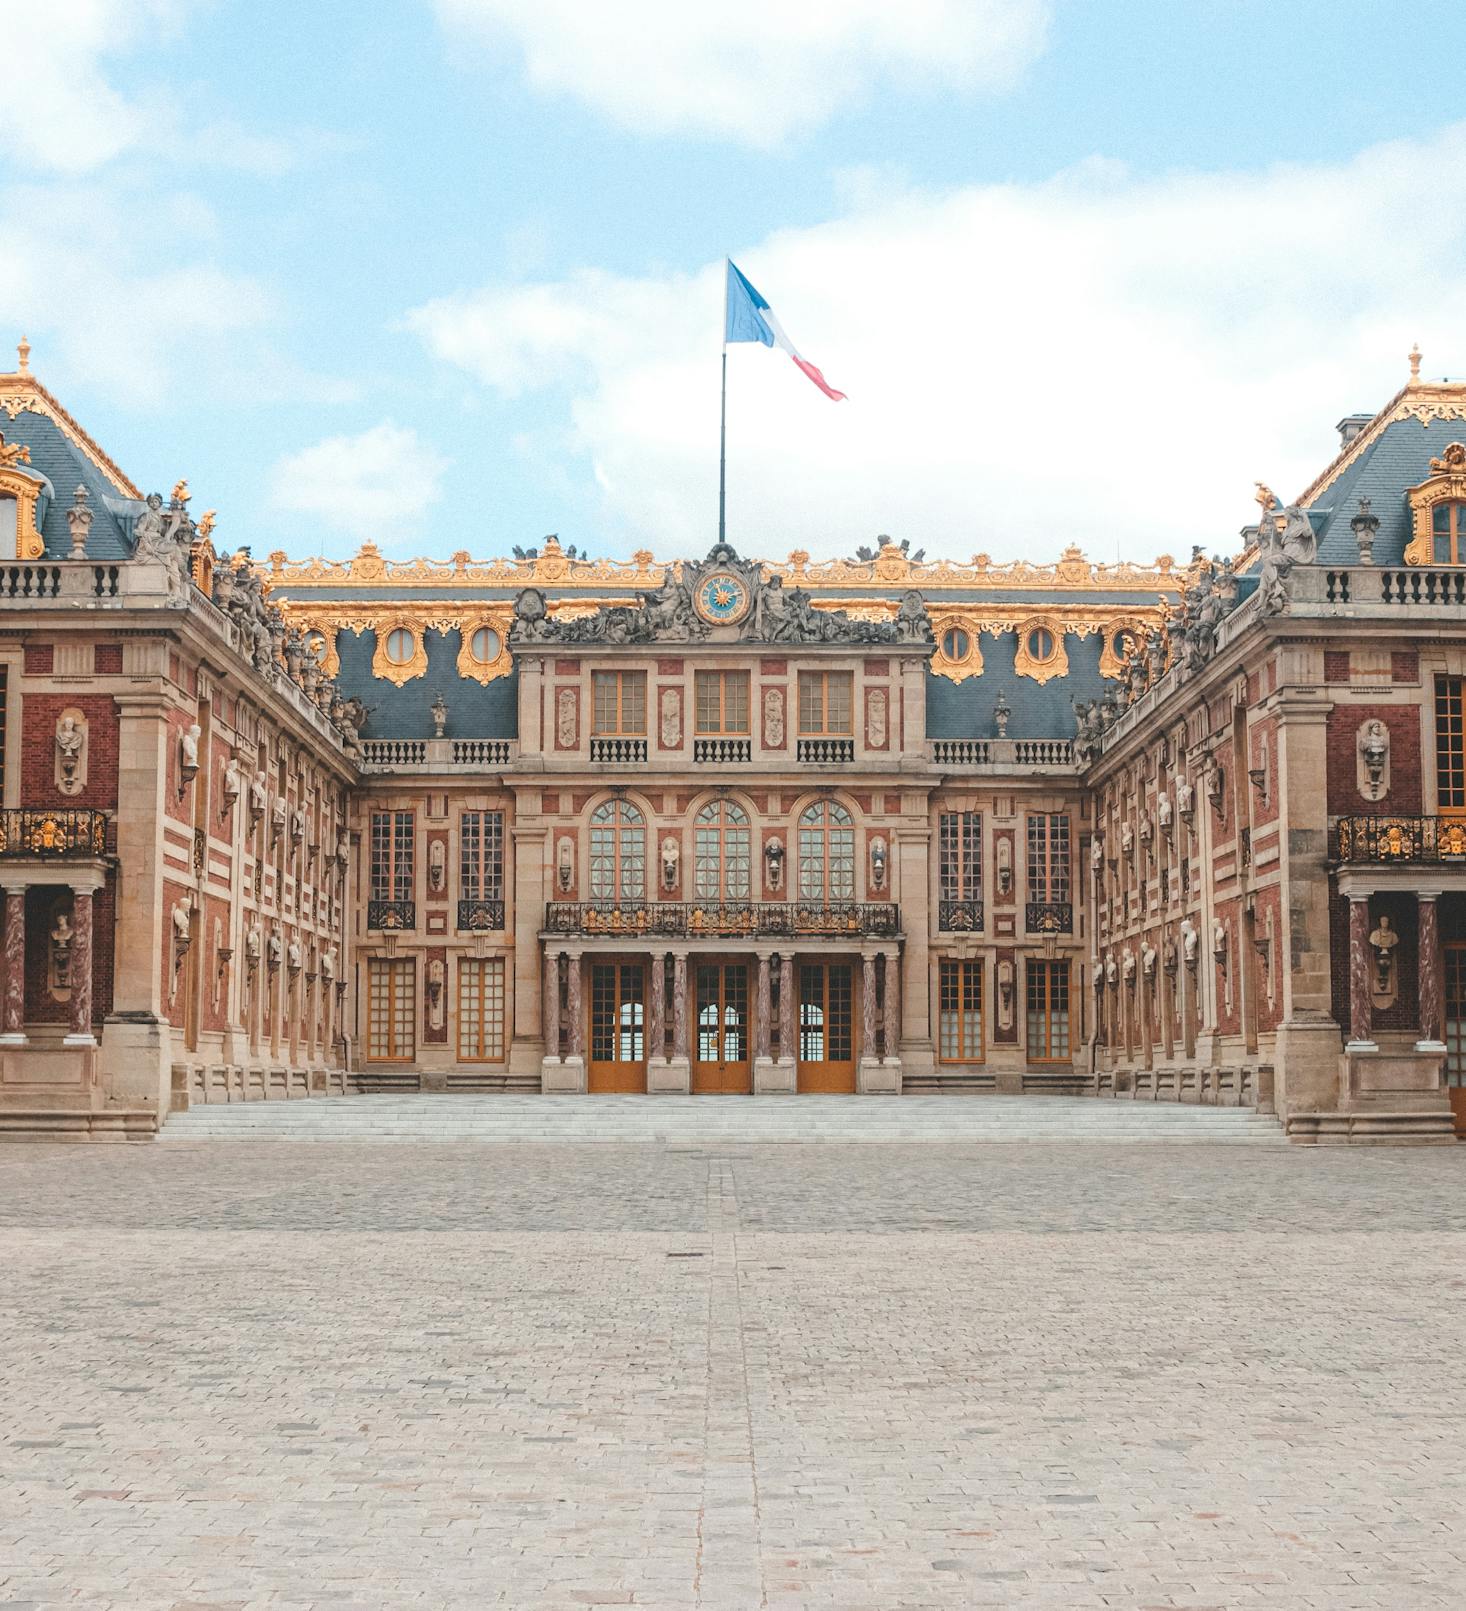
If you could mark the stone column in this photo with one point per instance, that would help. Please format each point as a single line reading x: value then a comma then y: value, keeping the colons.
x: 1429, y: 966
x: 14, y: 1031
x: 572, y: 1004
x: 552, y: 1003
x: 81, y: 970
x: 891, y: 1018
x: 1359, y: 979
x: 656, y: 990
x: 763, y: 1004
x: 679, y: 1004
x: 788, y: 1011
x: 868, y: 1007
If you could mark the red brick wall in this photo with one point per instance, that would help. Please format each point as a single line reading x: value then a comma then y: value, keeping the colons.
x: 1403, y: 724
x: 1263, y: 751
x: 38, y: 758
x: 107, y: 659
x: 181, y: 809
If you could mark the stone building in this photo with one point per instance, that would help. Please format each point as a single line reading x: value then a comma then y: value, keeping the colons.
x: 717, y: 824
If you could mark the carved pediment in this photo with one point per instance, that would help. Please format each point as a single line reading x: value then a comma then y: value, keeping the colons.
x: 723, y: 597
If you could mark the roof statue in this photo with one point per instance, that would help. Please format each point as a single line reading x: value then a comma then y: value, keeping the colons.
x: 721, y: 595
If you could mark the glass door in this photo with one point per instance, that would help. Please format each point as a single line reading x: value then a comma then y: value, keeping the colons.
x: 720, y: 1054
x: 617, y: 1027
x: 826, y: 1036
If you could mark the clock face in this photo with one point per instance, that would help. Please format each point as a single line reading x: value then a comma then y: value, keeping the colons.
x: 721, y: 598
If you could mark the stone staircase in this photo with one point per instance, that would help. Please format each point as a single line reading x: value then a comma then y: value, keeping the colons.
x: 504, y: 1119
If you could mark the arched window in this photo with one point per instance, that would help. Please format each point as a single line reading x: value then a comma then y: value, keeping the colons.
x: 826, y: 853
x: 722, y: 853
x: 617, y: 852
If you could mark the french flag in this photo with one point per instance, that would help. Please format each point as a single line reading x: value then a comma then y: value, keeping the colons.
x: 750, y: 318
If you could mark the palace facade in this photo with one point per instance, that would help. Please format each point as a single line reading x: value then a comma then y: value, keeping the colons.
x: 289, y: 828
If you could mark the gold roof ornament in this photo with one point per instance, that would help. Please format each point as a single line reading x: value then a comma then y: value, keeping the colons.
x: 1415, y: 364
x: 10, y: 456
x: 206, y: 523
x: 23, y: 353
x: 180, y: 492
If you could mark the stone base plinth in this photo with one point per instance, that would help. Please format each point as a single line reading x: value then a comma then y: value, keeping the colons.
x: 775, y: 1076
x: 878, y: 1076
x: 668, y: 1076
x: 563, y: 1076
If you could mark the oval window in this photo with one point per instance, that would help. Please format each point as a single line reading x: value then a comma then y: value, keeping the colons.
x: 484, y: 645
x: 955, y: 644
x: 1041, y: 644
x: 400, y: 646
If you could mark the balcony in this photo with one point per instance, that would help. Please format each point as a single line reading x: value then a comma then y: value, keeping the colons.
x: 1003, y: 754
x: 1049, y: 917
x: 1388, y: 841
x: 69, y: 832
x: 388, y: 755
x: 480, y: 917
x: 722, y: 751
x: 824, y: 751
x: 959, y: 917
x: 763, y: 920
x: 391, y: 916
x: 618, y: 751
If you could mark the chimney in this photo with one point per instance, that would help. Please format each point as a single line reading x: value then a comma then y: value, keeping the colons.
x: 1350, y: 426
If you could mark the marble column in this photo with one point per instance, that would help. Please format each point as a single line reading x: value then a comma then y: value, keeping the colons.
x: 1429, y: 967
x: 868, y: 1007
x: 14, y: 1030
x: 656, y: 990
x: 788, y: 1010
x: 1360, y: 982
x: 572, y: 1004
x: 81, y: 969
x: 552, y: 1003
x: 891, y: 1018
x: 679, y: 1004
x: 762, y: 1008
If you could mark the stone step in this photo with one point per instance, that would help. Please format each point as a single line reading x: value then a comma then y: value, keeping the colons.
x: 502, y: 1119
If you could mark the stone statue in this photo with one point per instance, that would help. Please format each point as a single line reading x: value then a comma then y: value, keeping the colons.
x: 188, y: 753
x: 1383, y: 940
x: 1097, y: 976
x: 773, y: 718
x: 1284, y: 542
x: 182, y: 927
x: 878, y: 863
x: 671, y: 857
x: 1097, y: 853
x: 1219, y: 943
x: 148, y: 529
x: 1111, y: 971
x: 70, y: 743
x: 61, y: 938
x: 1002, y: 713
x: 1147, y: 959
x: 253, y: 939
x: 913, y: 624
x: 439, y: 712
x: 79, y: 519
x: 233, y: 781
x: 258, y: 797
x: 274, y: 948
x: 565, y: 865
x: 328, y: 965
x: 1185, y: 799
x: 1190, y: 941
x: 1163, y: 813
x: 437, y: 865
x: 294, y: 956
x: 1374, y: 753
x: 565, y: 714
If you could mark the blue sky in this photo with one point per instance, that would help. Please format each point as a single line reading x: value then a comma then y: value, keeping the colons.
x: 446, y: 275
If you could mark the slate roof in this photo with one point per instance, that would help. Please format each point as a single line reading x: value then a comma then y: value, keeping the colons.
x: 65, y: 464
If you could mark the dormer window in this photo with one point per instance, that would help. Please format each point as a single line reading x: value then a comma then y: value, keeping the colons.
x: 9, y: 509
x: 1448, y: 533
x: 400, y: 646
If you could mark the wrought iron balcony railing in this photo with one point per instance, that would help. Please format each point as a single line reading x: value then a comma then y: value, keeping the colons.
x: 618, y: 751
x: 70, y: 831
x: 959, y: 917
x: 1049, y: 917
x: 391, y: 915
x: 480, y: 917
x: 1400, y: 839
x: 766, y: 919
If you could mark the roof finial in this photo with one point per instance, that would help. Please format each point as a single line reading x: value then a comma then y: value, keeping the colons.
x: 1415, y: 364
x: 23, y: 352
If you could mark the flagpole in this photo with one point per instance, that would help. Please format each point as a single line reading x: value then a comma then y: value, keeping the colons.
x: 723, y: 424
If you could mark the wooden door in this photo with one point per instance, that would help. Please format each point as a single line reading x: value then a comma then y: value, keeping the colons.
x: 1454, y: 955
x: 720, y: 1052
x: 826, y: 1026
x: 617, y: 1027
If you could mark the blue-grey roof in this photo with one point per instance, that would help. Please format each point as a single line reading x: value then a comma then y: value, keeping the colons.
x: 475, y: 710
x: 55, y: 456
x: 1398, y: 458
x: 1039, y: 710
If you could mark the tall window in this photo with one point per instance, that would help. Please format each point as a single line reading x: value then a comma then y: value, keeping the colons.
x: 722, y: 853
x: 392, y: 844
x: 481, y: 1009
x: 959, y: 855
x: 721, y: 698
x: 824, y: 702
x: 620, y: 700
x: 481, y: 856
x: 826, y: 853
x: 959, y: 1012
x: 617, y: 852
x: 1048, y: 856
x: 4, y: 721
x: 391, y: 1009
x: 1448, y: 529
x: 1450, y: 749
x: 1048, y: 1010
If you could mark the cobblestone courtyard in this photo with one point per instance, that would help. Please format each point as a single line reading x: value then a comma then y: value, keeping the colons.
x: 867, y: 1378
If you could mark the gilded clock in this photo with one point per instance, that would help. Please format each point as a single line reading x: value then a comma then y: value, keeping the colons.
x: 721, y: 598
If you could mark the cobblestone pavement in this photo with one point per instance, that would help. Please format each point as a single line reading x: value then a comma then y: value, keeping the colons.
x: 870, y: 1379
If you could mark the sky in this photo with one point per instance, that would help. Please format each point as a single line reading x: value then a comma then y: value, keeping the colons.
x: 448, y: 274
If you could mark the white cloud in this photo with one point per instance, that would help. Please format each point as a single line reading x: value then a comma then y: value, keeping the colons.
x: 1098, y: 358
x: 757, y: 71
x: 376, y: 484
